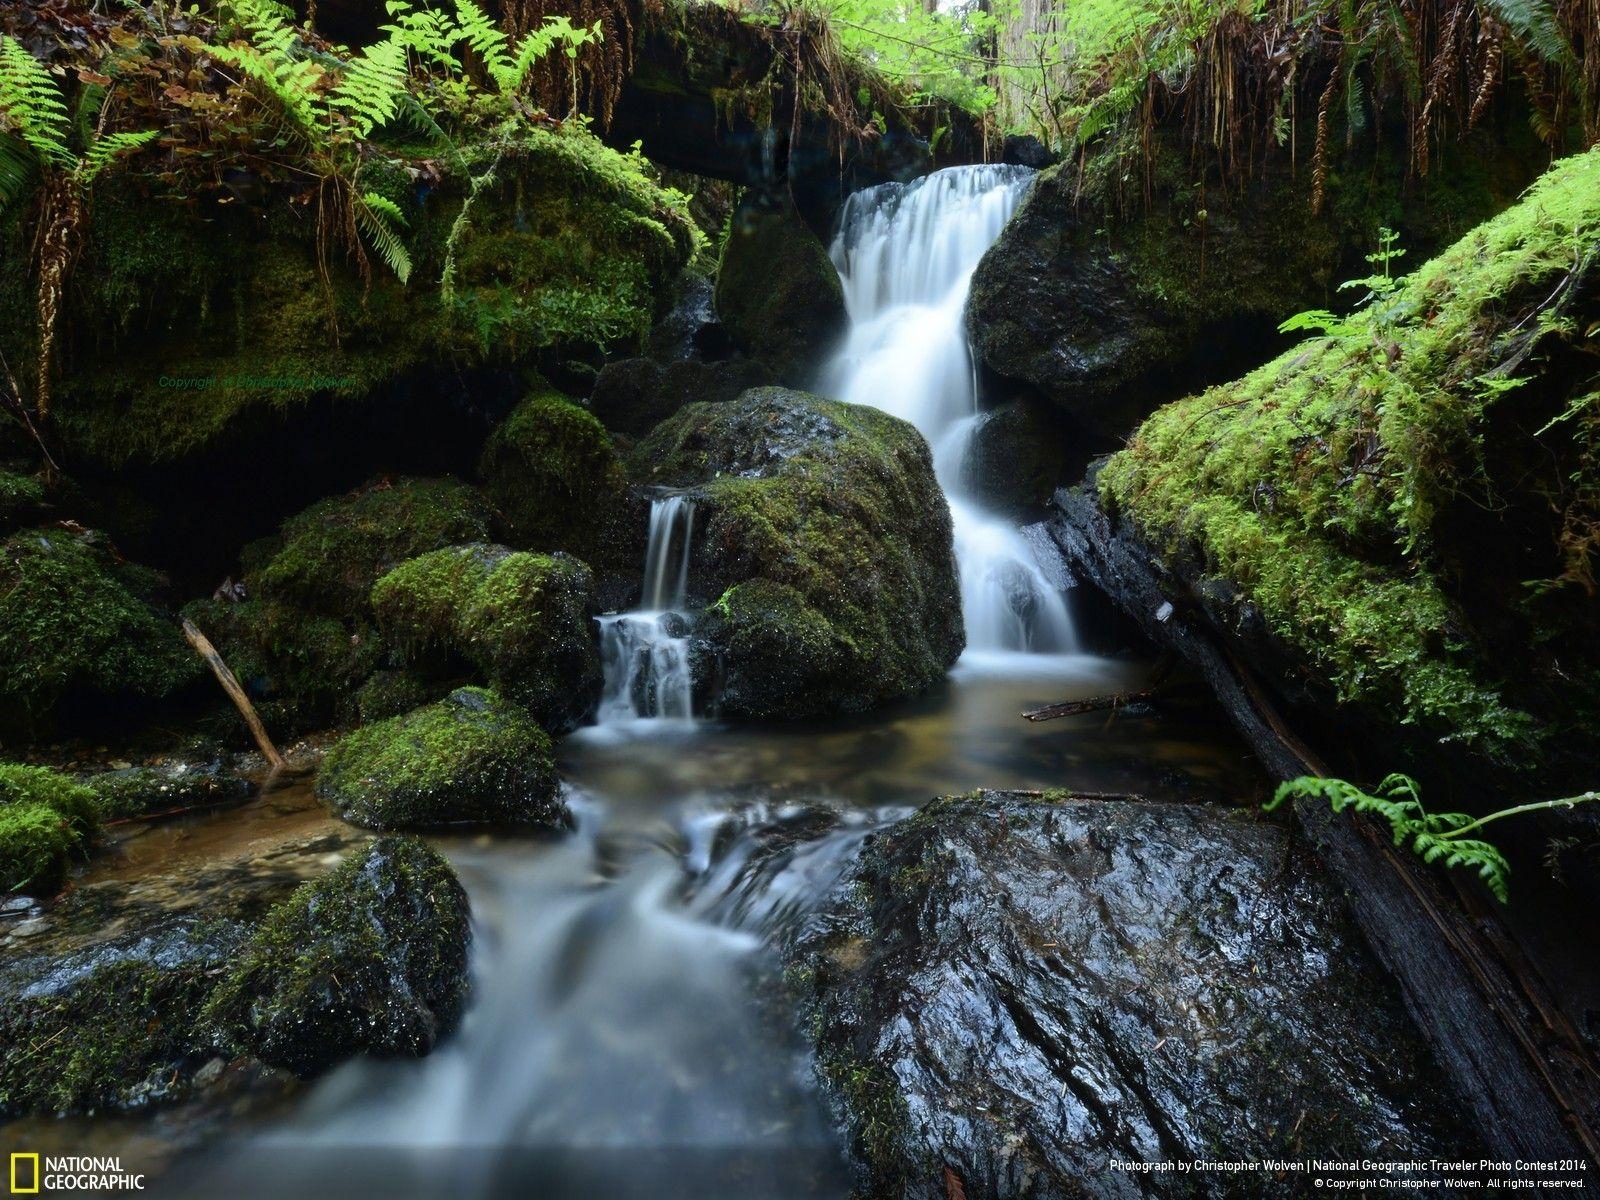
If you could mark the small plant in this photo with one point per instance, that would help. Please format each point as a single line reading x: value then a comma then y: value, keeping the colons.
x: 1434, y: 837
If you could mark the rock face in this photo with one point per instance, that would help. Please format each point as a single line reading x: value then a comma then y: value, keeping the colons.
x: 635, y: 395
x: 1015, y: 991
x: 824, y: 544
x: 777, y: 290
x: 472, y: 758
x: 372, y: 958
x: 1017, y: 457
x: 524, y: 622
x: 1110, y: 304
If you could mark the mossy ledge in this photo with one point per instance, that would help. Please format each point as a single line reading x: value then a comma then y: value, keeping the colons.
x: 46, y: 820
x: 1402, y: 501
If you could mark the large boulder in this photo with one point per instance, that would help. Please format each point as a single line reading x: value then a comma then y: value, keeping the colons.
x: 1017, y: 456
x: 79, y: 629
x: 633, y: 396
x: 823, y: 544
x: 524, y: 622
x: 778, y: 291
x: 371, y: 958
x: 472, y: 758
x: 1007, y: 993
x: 1108, y: 305
x: 46, y: 819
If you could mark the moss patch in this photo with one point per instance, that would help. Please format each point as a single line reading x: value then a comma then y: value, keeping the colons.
x: 523, y: 621
x: 472, y: 758
x: 1358, y: 489
x: 76, y: 625
x: 46, y: 819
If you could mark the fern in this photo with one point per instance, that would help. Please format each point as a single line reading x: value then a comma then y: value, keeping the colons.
x: 1433, y: 837
x: 486, y: 41
x: 103, y: 151
x: 373, y: 82
x: 1537, y: 25
x: 31, y: 108
x: 378, y: 216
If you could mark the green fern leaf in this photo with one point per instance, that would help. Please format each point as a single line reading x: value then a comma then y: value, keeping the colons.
x: 106, y: 150
x: 373, y: 82
x: 378, y: 216
x: 31, y: 106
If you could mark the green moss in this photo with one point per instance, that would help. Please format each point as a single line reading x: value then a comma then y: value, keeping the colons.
x: 551, y: 470
x: 1333, y: 485
x: 372, y: 957
x: 392, y: 693
x: 140, y: 791
x: 76, y: 625
x: 522, y: 621
x: 20, y: 496
x: 471, y: 758
x: 46, y: 820
x: 327, y: 558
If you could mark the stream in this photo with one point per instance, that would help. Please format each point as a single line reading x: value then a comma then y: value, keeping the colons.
x: 627, y: 1034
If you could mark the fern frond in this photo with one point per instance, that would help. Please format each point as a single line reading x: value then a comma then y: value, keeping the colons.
x: 1537, y: 25
x: 378, y: 216
x: 487, y: 41
x: 19, y: 170
x: 103, y: 151
x: 371, y: 86
x: 30, y: 104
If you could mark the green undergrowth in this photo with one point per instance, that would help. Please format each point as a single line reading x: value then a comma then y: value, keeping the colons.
x: 1352, y: 488
x: 46, y: 819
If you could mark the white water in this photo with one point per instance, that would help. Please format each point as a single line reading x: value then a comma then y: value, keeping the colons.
x: 645, y: 653
x: 906, y: 254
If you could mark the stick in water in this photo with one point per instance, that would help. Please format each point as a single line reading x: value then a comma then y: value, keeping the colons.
x: 230, y: 684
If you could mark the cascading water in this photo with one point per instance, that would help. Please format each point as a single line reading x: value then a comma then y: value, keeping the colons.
x: 645, y: 653
x: 906, y: 254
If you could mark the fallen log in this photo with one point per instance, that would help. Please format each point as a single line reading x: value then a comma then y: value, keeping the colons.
x: 1075, y: 708
x: 1529, y: 1083
x: 230, y: 684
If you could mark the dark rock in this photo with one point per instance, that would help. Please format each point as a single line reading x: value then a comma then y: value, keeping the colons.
x: 1025, y: 150
x: 777, y: 290
x: 633, y: 396
x: 138, y: 791
x: 524, y: 622
x: 372, y: 958
x: 1017, y: 456
x: 472, y: 758
x: 690, y: 330
x: 824, y: 542
x: 1018, y: 990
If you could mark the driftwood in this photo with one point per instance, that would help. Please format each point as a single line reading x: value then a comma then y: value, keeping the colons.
x: 230, y: 684
x: 1113, y: 700
x: 1494, y: 1028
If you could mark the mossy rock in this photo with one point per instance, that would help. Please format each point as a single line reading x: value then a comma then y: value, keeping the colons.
x: 22, y: 496
x: 524, y: 621
x: 371, y: 958
x: 551, y: 470
x: 393, y: 693
x: 635, y: 395
x: 46, y: 820
x: 78, y: 626
x: 300, y: 668
x: 777, y: 290
x: 1396, y: 500
x: 472, y: 758
x: 1016, y: 457
x: 141, y: 791
x: 327, y: 558
x: 825, y: 543
x: 115, y: 1027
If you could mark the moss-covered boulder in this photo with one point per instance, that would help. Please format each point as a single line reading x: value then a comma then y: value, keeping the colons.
x: 633, y: 396
x: 327, y: 558
x: 551, y: 470
x: 472, y: 758
x: 1111, y: 296
x: 46, y: 820
x: 823, y: 544
x: 523, y: 621
x: 1406, y: 506
x: 21, y: 497
x: 777, y: 290
x: 78, y: 628
x: 141, y: 791
x: 371, y: 958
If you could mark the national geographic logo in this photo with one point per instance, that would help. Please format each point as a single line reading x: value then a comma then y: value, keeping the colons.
x: 33, y: 1174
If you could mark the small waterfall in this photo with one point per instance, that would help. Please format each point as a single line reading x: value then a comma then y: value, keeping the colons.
x: 906, y: 254
x: 645, y: 653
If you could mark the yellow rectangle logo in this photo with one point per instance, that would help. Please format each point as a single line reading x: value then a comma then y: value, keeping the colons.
x: 16, y: 1184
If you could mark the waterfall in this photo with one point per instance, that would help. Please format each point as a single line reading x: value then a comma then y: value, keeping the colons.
x: 906, y: 254
x: 645, y: 653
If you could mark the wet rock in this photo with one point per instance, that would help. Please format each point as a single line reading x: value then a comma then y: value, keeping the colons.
x: 824, y: 544
x: 524, y: 622
x: 1017, y: 990
x: 1025, y: 150
x: 1017, y: 456
x: 472, y: 758
x: 777, y: 290
x: 372, y: 958
x: 691, y: 330
x: 635, y: 395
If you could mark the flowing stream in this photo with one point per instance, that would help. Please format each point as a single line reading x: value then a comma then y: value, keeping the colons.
x: 624, y: 1038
